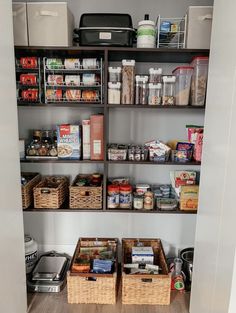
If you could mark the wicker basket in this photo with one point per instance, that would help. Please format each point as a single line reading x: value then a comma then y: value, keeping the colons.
x: 145, y: 288
x: 85, y: 197
x: 27, y: 190
x: 89, y: 287
x: 51, y: 197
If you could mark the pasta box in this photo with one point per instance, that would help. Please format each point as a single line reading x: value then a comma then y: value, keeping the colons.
x: 69, y: 141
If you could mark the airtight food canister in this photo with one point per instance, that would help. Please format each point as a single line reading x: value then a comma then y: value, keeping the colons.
x: 31, y: 253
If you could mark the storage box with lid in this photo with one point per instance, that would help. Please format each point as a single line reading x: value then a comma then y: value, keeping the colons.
x: 145, y: 288
x: 27, y: 189
x: 199, y: 23
x: 20, y: 29
x: 50, y: 24
x: 105, y: 29
x: 183, y: 82
x: 91, y: 287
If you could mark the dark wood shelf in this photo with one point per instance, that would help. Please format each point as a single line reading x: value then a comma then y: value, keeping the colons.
x: 155, y: 163
x: 60, y: 104
x: 156, y: 107
x: 38, y: 160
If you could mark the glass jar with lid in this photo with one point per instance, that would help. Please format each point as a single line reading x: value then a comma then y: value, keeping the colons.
x: 35, y: 145
x: 125, y: 196
x: 168, y: 94
x: 46, y: 143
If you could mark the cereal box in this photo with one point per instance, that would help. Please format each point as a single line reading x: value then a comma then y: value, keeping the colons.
x: 69, y: 141
x: 189, y: 198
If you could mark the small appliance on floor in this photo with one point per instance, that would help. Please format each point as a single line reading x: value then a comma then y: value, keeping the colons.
x: 49, y: 273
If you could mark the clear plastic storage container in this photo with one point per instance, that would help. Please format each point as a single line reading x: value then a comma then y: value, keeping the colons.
x: 183, y: 82
x: 128, y: 76
x: 114, y: 74
x: 199, y: 80
x: 154, y: 94
x: 168, y: 95
x: 155, y: 75
x: 141, y: 89
x: 114, y: 93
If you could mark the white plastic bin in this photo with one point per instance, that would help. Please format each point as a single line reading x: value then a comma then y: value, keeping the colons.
x: 50, y: 24
x: 183, y: 83
x: 199, y: 80
x: 20, y: 24
x: 199, y: 23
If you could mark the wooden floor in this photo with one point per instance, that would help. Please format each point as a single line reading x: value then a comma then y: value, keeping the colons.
x: 57, y: 303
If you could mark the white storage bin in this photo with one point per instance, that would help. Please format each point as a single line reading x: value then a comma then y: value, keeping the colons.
x: 20, y: 24
x: 199, y: 22
x: 50, y: 24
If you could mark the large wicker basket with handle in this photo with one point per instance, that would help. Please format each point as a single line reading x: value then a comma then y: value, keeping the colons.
x: 145, y: 288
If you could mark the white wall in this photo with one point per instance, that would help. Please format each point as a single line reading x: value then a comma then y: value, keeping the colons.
x: 215, y: 235
x: 12, y: 272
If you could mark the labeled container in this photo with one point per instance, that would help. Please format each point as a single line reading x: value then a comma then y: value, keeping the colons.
x: 148, y: 200
x: 145, y: 289
x: 125, y: 196
x: 50, y: 24
x: 141, y: 89
x: 114, y: 93
x: 199, y: 80
x: 142, y: 188
x: 146, y: 34
x: 114, y: 74
x: 113, y: 198
x: 155, y: 75
x: 31, y: 253
x: 137, y: 201
x: 128, y: 76
x: 154, y: 93
x: 183, y: 83
x: 168, y: 94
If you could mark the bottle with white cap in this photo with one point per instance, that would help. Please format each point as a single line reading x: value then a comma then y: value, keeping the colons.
x: 146, y: 34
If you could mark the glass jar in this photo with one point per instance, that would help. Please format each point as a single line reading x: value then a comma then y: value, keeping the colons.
x: 137, y: 201
x: 114, y: 93
x: 96, y: 180
x: 155, y: 75
x: 154, y: 94
x: 113, y: 197
x: 128, y: 73
x: 168, y: 94
x: 35, y: 145
x: 148, y: 200
x: 141, y: 91
x: 125, y: 196
x: 114, y: 74
x: 46, y: 143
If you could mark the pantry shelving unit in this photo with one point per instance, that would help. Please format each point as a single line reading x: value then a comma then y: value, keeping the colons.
x: 111, y: 54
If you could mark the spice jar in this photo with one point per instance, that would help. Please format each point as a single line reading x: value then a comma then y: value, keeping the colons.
x: 137, y: 201
x: 113, y: 196
x: 128, y: 69
x: 125, y: 196
x: 155, y: 75
x: 168, y: 95
x: 141, y: 89
x: 35, y: 145
x: 46, y: 143
x: 114, y: 93
x: 148, y: 200
x: 114, y: 74
x: 154, y: 95
x: 96, y: 180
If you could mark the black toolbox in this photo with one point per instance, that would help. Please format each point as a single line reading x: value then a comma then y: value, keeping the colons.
x: 105, y: 29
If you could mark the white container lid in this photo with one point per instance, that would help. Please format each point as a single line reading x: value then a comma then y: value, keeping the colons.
x: 114, y: 85
x: 142, y: 186
x: 146, y: 22
x: 141, y: 79
x: 114, y: 69
x: 155, y: 86
x: 128, y: 62
x: 169, y: 79
x: 157, y: 71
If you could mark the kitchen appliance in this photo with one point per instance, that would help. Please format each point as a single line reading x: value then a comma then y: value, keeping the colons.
x: 49, y: 274
x: 187, y: 257
x: 105, y: 29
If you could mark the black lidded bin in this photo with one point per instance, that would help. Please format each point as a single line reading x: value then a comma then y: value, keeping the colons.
x: 105, y: 29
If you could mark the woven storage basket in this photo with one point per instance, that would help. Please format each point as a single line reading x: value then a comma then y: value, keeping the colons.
x: 85, y: 197
x: 27, y: 190
x: 89, y: 287
x: 49, y: 197
x: 145, y: 288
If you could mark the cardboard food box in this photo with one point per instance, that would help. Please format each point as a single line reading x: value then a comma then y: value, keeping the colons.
x: 189, y: 198
x: 86, y: 139
x: 142, y: 255
x: 96, y: 137
x: 69, y: 141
